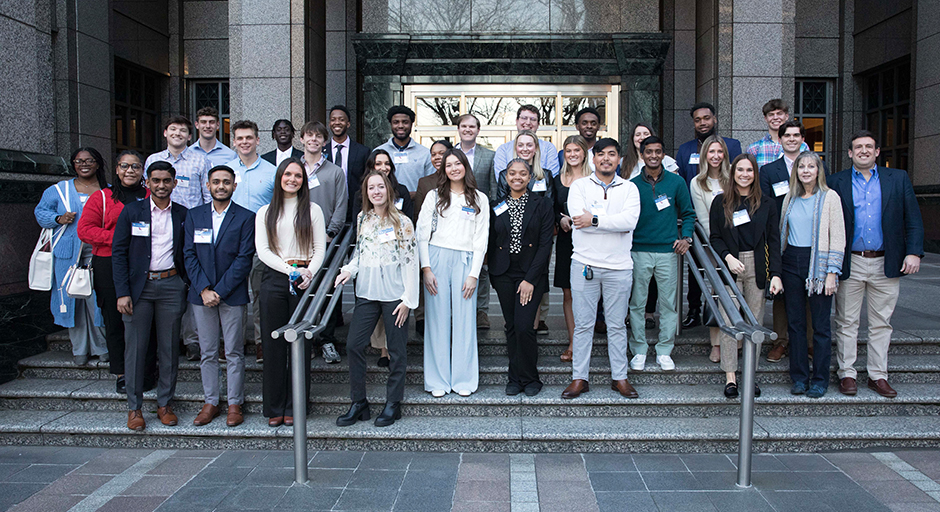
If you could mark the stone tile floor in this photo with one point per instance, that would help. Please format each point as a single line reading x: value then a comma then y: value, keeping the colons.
x: 86, y: 479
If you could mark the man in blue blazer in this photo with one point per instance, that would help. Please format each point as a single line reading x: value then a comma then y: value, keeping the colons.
x: 219, y: 244
x: 885, y: 236
x: 688, y: 157
x: 150, y: 281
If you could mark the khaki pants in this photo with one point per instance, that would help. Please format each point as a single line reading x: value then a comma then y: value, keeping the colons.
x: 867, y: 280
x: 754, y: 296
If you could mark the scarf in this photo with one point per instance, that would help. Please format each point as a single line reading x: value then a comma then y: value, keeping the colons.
x: 828, y: 236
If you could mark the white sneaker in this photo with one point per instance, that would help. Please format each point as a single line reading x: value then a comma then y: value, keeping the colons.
x: 330, y: 355
x: 666, y: 363
x: 437, y: 393
x: 464, y: 392
x: 638, y: 362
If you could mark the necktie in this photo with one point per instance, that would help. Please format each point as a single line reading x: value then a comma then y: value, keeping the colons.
x: 338, y: 159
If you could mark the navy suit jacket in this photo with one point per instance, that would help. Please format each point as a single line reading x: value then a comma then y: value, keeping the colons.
x: 130, y: 255
x: 775, y: 172
x: 357, y: 154
x: 901, y: 226
x: 689, y: 171
x: 223, y: 266
x: 271, y: 156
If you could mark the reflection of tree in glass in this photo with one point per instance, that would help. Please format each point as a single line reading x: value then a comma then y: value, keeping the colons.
x: 488, y: 109
x: 431, y: 15
x: 573, y: 104
x: 445, y: 110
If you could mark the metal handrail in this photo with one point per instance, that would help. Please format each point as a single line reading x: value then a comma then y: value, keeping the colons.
x: 309, y: 319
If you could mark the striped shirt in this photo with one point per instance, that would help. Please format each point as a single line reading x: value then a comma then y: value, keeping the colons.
x: 766, y: 150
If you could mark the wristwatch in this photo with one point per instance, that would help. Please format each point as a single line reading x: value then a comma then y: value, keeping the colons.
x: 594, y: 221
x: 688, y: 240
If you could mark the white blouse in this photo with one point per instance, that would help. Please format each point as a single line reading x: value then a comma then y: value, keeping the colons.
x: 287, y: 240
x: 458, y: 228
x: 385, y: 262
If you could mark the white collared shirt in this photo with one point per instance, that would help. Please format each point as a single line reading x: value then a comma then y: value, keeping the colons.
x: 345, y: 162
x: 472, y: 151
x: 789, y: 163
x: 280, y: 156
x: 161, y: 237
x: 217, y: 219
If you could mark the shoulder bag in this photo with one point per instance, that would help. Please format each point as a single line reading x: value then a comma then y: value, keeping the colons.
x: 41, y: 262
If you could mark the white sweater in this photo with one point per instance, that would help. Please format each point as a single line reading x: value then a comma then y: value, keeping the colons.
x: 702, y: 199
x: 607, y: 245
x: 287, y: 240
x: 456, y: 229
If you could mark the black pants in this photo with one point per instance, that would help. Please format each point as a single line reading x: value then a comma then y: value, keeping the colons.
x: 113, y: 320
x: 368, y: 313
x: 277, y: 306
x: 795, y: 270
x: 694, y: 296
x: 653, y: 297
x: 520, y: 335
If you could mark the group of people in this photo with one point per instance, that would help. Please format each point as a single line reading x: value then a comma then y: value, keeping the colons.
x: 185, y: 242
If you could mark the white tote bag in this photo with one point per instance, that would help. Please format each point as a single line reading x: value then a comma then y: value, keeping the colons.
x: 79, y: 281
x: 41, y: 262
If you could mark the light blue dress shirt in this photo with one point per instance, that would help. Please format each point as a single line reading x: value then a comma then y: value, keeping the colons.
x: 218, y: 155
x: 866, y: 196
x: 412, y: 162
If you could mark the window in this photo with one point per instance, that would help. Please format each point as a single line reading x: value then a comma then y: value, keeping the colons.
x: 136, y: 108
x: 213, y: 94
x: 887, y: 112
x: 812, y: 108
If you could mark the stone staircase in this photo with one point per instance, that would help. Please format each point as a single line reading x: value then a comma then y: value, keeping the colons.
x: 55, y: 402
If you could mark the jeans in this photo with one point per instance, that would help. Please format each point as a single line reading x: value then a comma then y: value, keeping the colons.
x: 795, y: 271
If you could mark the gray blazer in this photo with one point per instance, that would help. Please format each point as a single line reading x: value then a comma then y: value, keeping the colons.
x: 483, y: 170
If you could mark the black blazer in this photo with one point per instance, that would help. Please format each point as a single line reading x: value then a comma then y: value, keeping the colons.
x: 902, y: 228
x: 222, y: 266
x: 502, y: 188
x: 357, y: 155
x: 538, y: 225
x: 271, y: 156
x: 774, y: 172
x: 130, y: 255
x: 726, y: 239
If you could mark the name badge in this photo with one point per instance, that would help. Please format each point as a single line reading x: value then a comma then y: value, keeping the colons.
x: 182, y: 181
x: 468, y: 212
x: 140, y: 229
x: 400, y: 157
x: 238, y: 178
x: 717, y: 192
x: 693, y: 159
x: 662, y: 202
x: 313, y: 182
x: 781, y: 188
x: 501, y: 208
x: 82, y: 198
x: 386, y: 235
x: 399, y: 203
x: 202, y: 236
x: 741, y: 217
x: 539, y: 186
x: 598, y: 208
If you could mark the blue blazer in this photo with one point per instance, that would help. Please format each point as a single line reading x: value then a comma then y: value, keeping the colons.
x: 689, y: 171
x: 901, y: 226
x: 130, y: 255
x: 222, y: 266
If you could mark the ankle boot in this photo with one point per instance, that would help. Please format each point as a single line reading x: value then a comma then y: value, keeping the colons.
x: 391, y: 413
x: 357, y: 411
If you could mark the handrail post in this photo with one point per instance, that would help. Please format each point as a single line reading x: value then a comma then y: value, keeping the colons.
x: 746, y: 434
x: 300, y: 408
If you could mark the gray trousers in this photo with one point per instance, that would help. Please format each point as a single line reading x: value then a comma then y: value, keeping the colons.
x: 188, y: 329
x: 614, y: 286
x: 162, y: 302
x: 483, y: 290
x: 230, y: 320
x: 254, y: 291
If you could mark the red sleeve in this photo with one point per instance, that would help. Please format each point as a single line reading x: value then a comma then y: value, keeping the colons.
x: 89, y: 225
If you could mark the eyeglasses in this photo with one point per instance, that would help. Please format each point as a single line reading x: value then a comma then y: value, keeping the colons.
x: 125, y: 166
x: 86, y: 161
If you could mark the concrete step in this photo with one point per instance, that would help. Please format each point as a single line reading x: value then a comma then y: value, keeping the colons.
x: 477, y: 434
x: 691, y: 369
x: 665, y: 400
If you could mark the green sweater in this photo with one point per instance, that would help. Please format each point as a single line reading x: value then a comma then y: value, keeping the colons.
x: 656, y: 229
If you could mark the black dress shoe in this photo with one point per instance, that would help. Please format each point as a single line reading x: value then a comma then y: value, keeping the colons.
x: 756, y: 390
x: 121, y: 386
x: 533, y: 388
x: 192, y: 352
x: 692, y: 319
x: 731, y: 390
x: 357, y: 411
x: 513, y: 389
x: 391, y: 413
x: 419, y: 327
x: 650, y: 324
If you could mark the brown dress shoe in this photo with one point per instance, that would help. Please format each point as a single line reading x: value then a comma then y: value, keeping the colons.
x: 566, y: 356
x: 575, y: 389
x: 259, y: 353
x: 776, y: 353
x: 206, y: 415
x: 234, y: 417
x: 135, y: 420
x: 847, y: 386
x: 881, y: 387
x: 288, y: 421
x: 276, y: 421
x: 483, y: 320
x: 166, y: 416
x: 624, y: 388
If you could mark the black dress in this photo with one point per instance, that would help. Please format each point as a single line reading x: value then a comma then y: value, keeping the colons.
x: 563, y: 245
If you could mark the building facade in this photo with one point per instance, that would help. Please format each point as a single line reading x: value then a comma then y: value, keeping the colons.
x: 105, y: 73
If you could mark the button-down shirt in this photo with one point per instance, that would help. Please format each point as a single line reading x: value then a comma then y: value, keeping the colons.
x: 255, y: 184
x: 192, y: 171
x: 866, y: 196
x: 280, y: 156
x: 789, y: 163
x: 766, y: 150
x: 217, y: 219
x: 220, y: 154
x: 470, y: 152
x: 412, y: 162
x: 344, y: 163
x: 312, y: 170
x: 548, y: 159
x: 161, y: 237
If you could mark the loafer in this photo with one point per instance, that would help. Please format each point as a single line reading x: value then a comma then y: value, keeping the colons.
x: 383, y: 362
x: 776, y: 353
x: 623, y: 387
x: 288, y: 421
x: 566, y: 356
x: 533, y: 388
x: 357, y: 411
x: 731, y: 390
x: 692, y: 319
x: 513, y: 389
x: 575, y: 389
x: 166, y: 416
x: 135, y: 420
x: 638, y: 363
x: 798, y: 388
x: 881, y: 387
x: 120, y: 385
x: 276, y: 421
x: 390, y: 413
x: 206, y: 415
x: 192, y: 352
x: 848, y: 386
x: 816, y: 391
x: 483, y: 321
x: 234, y: 417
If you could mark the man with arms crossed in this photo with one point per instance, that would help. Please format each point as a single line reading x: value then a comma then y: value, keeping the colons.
x: 887, y: 242
x: 604, y: 211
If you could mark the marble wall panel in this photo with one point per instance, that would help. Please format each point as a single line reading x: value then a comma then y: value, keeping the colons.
x: 205, y: 20
x: 380, y: 16
x: 639, y: 16
x: 928, y: 20
x: 92, y: 19
x: 924, y: 157
x: 259, y: 12
x: 928, y: 61
x: 94, y: 61
x: 757, y: 11
x: 21, y: 61
x: 757, y: 49
x: 335, y: 15
x: 206, y: 58
x: 95, y: 109
x: 816, y: 57
x: 750, y: 93
x: 817, y: 18
x: 153, y: 50
x: 262, y: 50
x: 927, y: 100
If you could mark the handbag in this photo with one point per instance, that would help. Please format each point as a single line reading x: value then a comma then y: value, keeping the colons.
x: 41, y: 262
x: 708, y: 316
x: 79, y: 280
